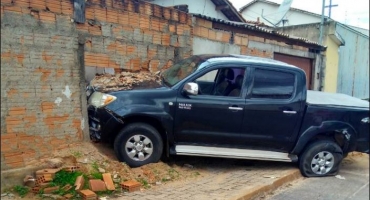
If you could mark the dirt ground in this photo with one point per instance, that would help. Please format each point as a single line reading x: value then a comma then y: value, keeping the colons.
x: 89, y: 156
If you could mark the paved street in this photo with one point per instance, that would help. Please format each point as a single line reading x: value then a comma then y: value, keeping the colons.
x: 228, y: 179
x: 355, y: 186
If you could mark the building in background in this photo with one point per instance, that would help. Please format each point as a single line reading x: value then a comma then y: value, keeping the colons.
x: 219, y: 9
x: 346, y: 63
x: 253, y: 11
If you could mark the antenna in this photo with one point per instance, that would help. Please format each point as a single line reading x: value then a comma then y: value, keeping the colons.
x: 280, y: 14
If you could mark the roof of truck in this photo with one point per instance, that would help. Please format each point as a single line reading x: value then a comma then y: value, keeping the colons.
x: 212, y: 58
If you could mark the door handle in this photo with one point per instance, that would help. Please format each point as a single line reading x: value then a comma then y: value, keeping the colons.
x: 235, y: 108
x: 290, y: 112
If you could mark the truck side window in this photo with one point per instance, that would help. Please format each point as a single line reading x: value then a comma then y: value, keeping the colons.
x: 222, y: 82
x: 272, y: 84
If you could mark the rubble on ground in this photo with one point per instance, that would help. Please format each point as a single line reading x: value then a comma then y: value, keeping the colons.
x: 125, y: 81
x: 65, y: 176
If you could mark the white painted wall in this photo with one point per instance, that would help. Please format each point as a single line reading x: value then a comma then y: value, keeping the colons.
x: 294, y: 17
x: 204, y: 7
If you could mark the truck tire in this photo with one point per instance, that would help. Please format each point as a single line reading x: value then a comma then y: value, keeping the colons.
x: 321, y: 158
x: 138, y: 144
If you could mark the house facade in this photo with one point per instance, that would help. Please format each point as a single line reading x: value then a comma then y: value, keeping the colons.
x: 347, y: 56
x: 219, y: 9
x: 254, y: 10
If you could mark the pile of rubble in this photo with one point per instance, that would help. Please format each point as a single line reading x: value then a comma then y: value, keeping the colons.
x: 85, y: 186
x: 125, y: 81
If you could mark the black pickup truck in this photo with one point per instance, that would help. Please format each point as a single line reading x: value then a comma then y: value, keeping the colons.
x: 232, y: 106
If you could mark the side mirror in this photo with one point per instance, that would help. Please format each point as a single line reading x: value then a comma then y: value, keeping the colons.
x: 191, y: 88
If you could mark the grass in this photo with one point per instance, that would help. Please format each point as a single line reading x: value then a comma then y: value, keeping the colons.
x: 144, y: 183
x: 21, y: 190
x: 173, y: 173
x: 77, y: 154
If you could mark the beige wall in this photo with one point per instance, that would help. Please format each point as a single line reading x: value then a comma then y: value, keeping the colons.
x: 331, y: 68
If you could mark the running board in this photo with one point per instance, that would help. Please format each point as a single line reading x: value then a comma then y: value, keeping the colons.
x: 189, y: 150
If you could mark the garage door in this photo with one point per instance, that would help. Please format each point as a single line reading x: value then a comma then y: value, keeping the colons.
x: 303, y: 63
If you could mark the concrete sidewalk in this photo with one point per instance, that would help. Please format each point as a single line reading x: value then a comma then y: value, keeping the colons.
x: 228, y: 179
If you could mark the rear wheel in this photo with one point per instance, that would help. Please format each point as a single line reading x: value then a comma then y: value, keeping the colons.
x: 138, y: 144
x: 321, y: 158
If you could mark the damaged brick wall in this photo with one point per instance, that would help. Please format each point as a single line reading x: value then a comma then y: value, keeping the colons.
x: 134, y: 35
x: 44, y: 54
x: 42, y: 106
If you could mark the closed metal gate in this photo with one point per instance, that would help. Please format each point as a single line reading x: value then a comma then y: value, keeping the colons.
x: 303, y: 63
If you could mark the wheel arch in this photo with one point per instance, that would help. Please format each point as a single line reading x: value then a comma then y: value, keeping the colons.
x: 340, y: 132
x: 147, y: 119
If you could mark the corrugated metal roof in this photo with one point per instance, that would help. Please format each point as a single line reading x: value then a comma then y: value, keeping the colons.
x: 259, y: 29
x: 230, y: 11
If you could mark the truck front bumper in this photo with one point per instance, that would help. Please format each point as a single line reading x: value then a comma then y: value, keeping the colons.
x: 103, y: 125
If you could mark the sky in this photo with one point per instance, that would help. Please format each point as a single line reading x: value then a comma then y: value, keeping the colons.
x: 351, y: 12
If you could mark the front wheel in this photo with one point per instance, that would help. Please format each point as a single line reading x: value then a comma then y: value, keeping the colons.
x: 138, y: 144
x: 321, y: 158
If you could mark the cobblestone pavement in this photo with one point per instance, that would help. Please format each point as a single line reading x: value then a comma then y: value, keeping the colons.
x: 227, y: 179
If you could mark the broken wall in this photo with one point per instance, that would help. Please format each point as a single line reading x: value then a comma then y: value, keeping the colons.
x: 134, y: 36
x: 43, y: 58
x: 42, y: 107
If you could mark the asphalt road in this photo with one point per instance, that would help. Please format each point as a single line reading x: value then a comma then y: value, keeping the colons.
x: 355, y: 185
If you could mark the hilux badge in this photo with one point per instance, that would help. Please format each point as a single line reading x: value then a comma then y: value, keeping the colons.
x: 185, y: 106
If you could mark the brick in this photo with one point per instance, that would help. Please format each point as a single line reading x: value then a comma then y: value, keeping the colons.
x: 183, y: 17
x: 166, y: 13
x: 50, y: 190
x: 67, y: 7
x: 89, y: 13
x: 66, y: 188
x: 166, y: 39
x: 144, y: 22
x: 204, y: 32
x: 38, y: 4
x: 54, y: 6
x: 157, y: 38
x: 97, y: 185
x: 134, y: 19
x: 79, y: 183
x: 157, y: 10
x: 107, y: 177
x: 71, y: 168
x: 13, y: 9
x: 22, y: 3
x: 112, y: 16
x: 95, y: 30
x: 47, y: 16
x: 131, y: 185
x: 68, y: 196
x: 47, y: 172
x: 88, y: 194
x: 174, y: 15
x: 123, y: 18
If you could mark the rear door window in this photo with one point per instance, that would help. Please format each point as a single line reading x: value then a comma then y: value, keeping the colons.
x: 272, y: 84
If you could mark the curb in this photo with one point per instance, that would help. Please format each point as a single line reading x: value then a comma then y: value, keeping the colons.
x: 257, y: 191
x: 12, y: 177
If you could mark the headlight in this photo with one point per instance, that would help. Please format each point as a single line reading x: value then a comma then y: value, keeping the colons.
x: 99, y: 99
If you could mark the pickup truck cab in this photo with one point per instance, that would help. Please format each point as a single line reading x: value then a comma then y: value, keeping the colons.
x: 232, y: 106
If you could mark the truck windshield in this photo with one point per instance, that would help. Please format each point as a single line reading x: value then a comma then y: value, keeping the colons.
x: 181, y: 70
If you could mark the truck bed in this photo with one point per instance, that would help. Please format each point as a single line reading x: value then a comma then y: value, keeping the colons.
x: 334, y: 99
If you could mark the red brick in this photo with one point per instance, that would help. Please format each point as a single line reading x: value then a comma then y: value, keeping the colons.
x: 88, y: 194
x: 38, y: 4
x: 123, y: 18
x: 95, y: 30
x: 108, y: 181
x: 50, y: 190
x: 183, y: 17
x: 112, y: 16
x: 89, y: 13
x: 13, y: 9
x: 97, y: 185
x: 67, y: 7
x: 166, y: 39
x: 144, y: 22
x: 54, y: 6
x: 6, y: 2
x: 154, y: 24
x: 167, y: 13
x: 22, y: 3
x: 131, y: 185
x: 134, y: 19
x: 157, y: 10
x: 47, y: 16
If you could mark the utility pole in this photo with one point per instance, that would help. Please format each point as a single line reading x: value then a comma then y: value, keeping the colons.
x: 322, y: 21
x: 330, y: 6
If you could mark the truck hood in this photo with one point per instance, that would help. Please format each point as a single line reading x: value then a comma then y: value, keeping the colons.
x: 335, y: 99
x: 142, y: 97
